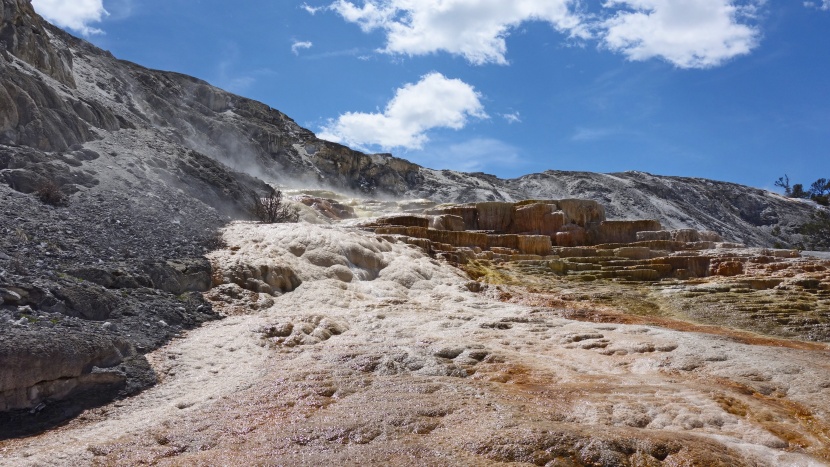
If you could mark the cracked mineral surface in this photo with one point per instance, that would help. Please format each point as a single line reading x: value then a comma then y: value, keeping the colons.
x: 343, y: 347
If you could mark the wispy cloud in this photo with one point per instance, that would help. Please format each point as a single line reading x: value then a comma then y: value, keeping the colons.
x: 512, y: 118
x: 479, y: 155
x: 824, y: 5
x: 230, y: 76
x: 595, y: 134
x: 312, y: 9
x: 433, y: 102
x: 297, y: 45
x: 472, y: 155
x: 76, y: 15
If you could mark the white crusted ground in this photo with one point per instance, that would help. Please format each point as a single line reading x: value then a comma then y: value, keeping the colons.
x: 381, y: 355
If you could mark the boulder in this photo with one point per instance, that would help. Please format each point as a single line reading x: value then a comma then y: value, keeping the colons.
x: 180, y: 275
x: 87, y: 301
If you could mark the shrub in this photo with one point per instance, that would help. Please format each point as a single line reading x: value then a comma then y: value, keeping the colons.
x: 49, y: 192
x: 272, y: 209
x: 817, y: 231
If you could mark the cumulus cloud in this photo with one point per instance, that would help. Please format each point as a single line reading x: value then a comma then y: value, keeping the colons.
x: 689, y: 34
x: 686, y: 33
x: 76, y: 15
x: 433, y: 102
x: 825, y: 5
x: 297, y: 45
x: 474, y: 29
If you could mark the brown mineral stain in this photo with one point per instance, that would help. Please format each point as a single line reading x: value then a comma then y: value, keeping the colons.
x: 777, y: 415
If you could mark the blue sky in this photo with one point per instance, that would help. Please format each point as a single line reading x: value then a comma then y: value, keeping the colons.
x: 734, y: 90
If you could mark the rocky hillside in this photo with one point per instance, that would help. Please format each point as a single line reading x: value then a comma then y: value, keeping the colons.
x: 58, y: 91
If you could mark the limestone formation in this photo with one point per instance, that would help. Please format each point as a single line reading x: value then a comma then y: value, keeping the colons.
x: 576, y: 240
x: 625, y: 231
x: 538, y: 218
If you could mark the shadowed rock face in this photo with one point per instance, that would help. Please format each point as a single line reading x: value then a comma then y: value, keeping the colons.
x: 25, y: 36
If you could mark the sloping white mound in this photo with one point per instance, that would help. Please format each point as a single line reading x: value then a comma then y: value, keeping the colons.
x: 347, y: 349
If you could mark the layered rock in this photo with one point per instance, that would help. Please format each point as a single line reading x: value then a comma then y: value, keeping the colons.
x: 57, y: 367
x: 26, y: 37
x: 625, y: 231
x: 575, y: 240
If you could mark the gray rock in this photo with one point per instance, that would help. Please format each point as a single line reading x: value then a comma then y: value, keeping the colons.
x: 180, y: 276
x: 54, y: 365
x: 9, y: 297
x: 87, y: 301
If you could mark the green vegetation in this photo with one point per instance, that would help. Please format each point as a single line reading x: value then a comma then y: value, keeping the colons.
x: 816, y: 232
x: 819, y: 191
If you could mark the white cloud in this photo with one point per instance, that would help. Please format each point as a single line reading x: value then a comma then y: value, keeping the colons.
x: 474, y: 29
x: 432, y: 102
x: 297, y: 45
x: 686, y: 33
x: 825, y: 5
x: 511, y: 118
x: 689, y: 34
x: 311, y: 9
x: 76, y: 14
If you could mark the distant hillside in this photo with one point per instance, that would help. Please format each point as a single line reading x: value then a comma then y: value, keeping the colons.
x: 58, y: 92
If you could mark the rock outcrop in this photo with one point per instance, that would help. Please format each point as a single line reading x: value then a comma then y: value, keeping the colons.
x: 26, y: 37
x: 577, y: 241
x: 57, y: 366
